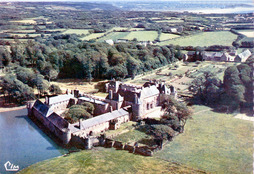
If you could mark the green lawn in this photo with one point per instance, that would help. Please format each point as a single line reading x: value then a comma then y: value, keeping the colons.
x: 165, y: 36
x: 204, y: 39
x: 213, y: 142
x: 102, y: 160
x: 142, y: 35
x: 132, y: 136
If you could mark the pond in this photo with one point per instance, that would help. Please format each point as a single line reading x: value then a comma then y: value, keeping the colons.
x: 22, y: 142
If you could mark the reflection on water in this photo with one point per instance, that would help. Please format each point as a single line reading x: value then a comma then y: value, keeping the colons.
x: 22, y: 142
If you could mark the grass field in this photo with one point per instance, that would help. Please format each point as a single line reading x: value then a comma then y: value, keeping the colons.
x: 30, y: 21
x: 165, y: 36
x: 142, y: 35
x: 57, y: 29
x: 102, y: 160
x: 248, y: 33
x: 24, y: 35
x: 171, y: 21
x: 213, y: 142
x: 114, y: 36
x: 76, y: 31
x: 92, y: 36
x: 204, y: 39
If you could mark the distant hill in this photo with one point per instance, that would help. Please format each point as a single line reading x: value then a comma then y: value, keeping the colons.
x: 76, y: 5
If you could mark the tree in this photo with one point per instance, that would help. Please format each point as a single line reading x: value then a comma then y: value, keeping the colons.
x: 16, y: 90
x: 207, y: 87
x: 89, y: 107
x: 162, y: 131
x: 77, y: 112
x: 117, y: 72
x: 176, y: 110
x: 55, y: 89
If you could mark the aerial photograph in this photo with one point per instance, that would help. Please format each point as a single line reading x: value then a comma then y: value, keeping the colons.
x: 126, y: 86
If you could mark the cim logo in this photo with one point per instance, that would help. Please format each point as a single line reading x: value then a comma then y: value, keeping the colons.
x: 9, y: 167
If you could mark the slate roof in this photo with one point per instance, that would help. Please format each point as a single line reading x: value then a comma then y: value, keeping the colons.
x: 42, y: 108
x: 103, y: 118
x: 59, y: 98
x: 58, y: 121
x: 149, y: 91
x: 92, y: 100
x: 244, y: 55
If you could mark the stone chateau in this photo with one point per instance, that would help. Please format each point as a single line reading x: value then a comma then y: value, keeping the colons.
x: 124, y: 102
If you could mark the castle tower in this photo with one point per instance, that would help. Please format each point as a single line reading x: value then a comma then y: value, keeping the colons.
x: 137, y: 108
x: 29, y: 107
x: 66, y: 136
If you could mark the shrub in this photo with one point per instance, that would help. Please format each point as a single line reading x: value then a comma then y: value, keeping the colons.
x: 77, y: 112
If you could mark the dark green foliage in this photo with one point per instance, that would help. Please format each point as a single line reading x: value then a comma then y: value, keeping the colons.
x: 207, y: 87
x: 77, y: 112
x: 238, y: 83
x: 89, y: 107
x: 64, y: 56
x: 176, y: 113
x: 163, y: 131
x: 55, y: 89
x: 16, y: 90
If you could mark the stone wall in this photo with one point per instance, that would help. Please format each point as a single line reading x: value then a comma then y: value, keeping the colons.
x: 142, y: 150
x: 64, y: 135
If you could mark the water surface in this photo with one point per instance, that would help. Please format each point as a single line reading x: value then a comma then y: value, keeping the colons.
x: 22, y: 142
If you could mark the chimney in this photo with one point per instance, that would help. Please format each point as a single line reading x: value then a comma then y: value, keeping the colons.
x: 135, y: 99
x: 80, y: 123
x: 110, y: 94
x: 110, y: 109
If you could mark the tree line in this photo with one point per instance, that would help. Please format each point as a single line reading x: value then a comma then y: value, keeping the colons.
x: 234, y: 91
x: 38, y: 62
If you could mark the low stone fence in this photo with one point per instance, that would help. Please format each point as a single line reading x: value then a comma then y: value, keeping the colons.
x: 141, y: 150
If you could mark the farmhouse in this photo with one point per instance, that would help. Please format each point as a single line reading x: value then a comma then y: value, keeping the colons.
x: 242, y: 57
x: 124, y: 102
x: 218, y: 56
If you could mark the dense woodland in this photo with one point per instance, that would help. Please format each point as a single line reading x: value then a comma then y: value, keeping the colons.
x: 36, y: 63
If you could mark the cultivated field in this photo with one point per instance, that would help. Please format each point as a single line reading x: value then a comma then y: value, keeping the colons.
x: 142, y: 35
x: 92, y: 36
x: 171, y: 21
x: 166, y: 36
x: 248, y: 33
x: 213, y: 142
x: 76, y: 31
x: 29, y: 21
x: 114, y: 36
x: 204, y: 39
